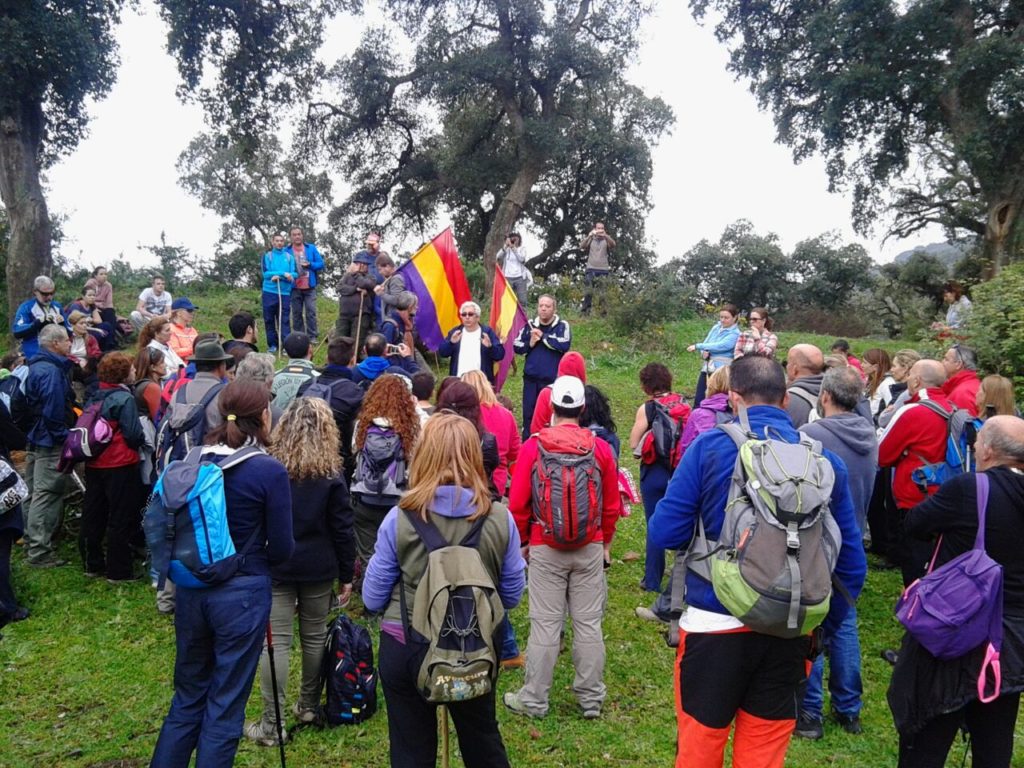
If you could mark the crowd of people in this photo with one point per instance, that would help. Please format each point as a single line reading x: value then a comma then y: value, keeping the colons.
x: 353, y: 457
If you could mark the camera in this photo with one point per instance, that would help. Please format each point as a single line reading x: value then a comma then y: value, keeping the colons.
x: 393, y: 349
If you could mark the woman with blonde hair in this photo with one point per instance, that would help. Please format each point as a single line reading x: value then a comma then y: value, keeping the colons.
x: 500, y: 422
x: 902, y: 362
x: 447, y: 490
x: 385, y: 441
x: 996, y: 397
x: 305, y: 441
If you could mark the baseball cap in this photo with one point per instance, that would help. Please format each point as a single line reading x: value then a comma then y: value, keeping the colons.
x: 567, y: 392
x: 184, y: 303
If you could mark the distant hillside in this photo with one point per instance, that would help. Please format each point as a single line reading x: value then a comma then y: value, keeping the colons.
x: 948, y: 253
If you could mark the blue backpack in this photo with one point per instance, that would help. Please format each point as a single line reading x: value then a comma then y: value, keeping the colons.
x: 957, y: 459
x: 186, y: 522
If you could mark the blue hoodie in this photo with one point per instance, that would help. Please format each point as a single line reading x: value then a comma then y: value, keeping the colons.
x: 373, y: 368
x: 700, y: 486
x: 278, y: 263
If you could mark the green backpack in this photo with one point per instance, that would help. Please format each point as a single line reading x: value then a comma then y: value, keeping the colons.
x: 456, y: 617
x: 772, y: 565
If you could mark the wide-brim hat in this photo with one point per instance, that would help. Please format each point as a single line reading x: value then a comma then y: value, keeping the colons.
x: 209, y: 352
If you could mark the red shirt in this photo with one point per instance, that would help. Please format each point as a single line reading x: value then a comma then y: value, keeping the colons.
x: 500, y: 422
x: 520, y: 497
x: 962, y: 390
x: 915, y: 435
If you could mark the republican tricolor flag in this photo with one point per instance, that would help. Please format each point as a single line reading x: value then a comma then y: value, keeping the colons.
x: 435, y: 275
x: 507, y: 320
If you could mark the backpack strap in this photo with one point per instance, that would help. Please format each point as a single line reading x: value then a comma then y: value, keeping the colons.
x: 934, y: 407
x: 981, y: 479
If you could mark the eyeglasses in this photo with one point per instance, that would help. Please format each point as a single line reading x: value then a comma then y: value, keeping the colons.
x: 467, y: 314
x: 956, y: 351
x: 46, y: 293
x: 755, y: 319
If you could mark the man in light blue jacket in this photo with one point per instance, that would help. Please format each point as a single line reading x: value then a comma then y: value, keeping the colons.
x: 279, y: 275
x: 309, y: 262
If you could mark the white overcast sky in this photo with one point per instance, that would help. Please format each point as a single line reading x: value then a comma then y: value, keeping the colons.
x: 119, y: 188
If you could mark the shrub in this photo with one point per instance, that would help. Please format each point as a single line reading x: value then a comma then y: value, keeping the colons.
x: 659, y: 299
x: 995, y: 327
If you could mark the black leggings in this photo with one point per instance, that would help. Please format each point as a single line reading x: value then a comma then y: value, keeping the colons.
x: 991, y: 728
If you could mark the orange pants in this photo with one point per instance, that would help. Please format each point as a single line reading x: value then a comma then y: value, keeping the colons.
x: 743, y: 677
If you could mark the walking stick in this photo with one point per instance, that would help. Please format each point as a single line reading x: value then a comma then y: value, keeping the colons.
x: 359, y: 327
x: 280, y: 310
x: 277, y: 701
x: 442, y: 713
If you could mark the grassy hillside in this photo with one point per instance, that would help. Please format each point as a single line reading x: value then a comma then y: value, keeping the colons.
x: 86, y: 681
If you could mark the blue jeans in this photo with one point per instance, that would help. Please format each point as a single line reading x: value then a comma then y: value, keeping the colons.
x: 272, y: 304
x: 304, y: 303
x: 844, y: 684
x: 653, y: 482
x: 219, y: 633
x: 509, y: 646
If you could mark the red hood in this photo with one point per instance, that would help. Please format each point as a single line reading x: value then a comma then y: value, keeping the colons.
x: 573, y: 364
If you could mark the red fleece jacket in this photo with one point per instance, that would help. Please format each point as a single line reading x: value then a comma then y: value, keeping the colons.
x: 962, y: 390
x: 571, y: 364
x: 914, y: 436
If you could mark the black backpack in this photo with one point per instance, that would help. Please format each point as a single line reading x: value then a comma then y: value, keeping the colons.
x: 349, y: 674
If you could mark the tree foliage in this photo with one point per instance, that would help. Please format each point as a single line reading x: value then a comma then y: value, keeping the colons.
x: 507, y: 113
x: 996, y: 324
x: 873, y: 84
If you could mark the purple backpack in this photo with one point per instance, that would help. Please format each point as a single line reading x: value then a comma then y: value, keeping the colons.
x: 87, y: 439
x: 954, y: 609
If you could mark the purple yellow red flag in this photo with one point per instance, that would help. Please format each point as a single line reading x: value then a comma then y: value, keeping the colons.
x: 507, y: 320
x: 435, y: 275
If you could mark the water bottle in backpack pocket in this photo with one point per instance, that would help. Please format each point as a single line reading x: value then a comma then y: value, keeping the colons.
x: 957, y: 458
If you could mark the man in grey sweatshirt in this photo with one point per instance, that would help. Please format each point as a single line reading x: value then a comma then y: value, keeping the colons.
x: 852, y: 437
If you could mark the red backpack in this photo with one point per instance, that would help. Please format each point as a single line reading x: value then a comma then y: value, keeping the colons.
x: 666, y: 418
x: 566, y: 487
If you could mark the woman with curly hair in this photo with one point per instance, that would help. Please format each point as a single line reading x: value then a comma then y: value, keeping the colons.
x: 447, y: 489
x: 385, y: 440
x: 156, y: 334
x: 305, y: 441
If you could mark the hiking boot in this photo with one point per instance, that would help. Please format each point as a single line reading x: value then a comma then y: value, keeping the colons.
x: 849, y: 723
x: 591, y: 712
x: 305, y: 714
x: 645, y: 613
x: 516, y: 662
x: 809, y: 727
x: 511, y: 700
x: 50, y: 561
x: 264, y: 734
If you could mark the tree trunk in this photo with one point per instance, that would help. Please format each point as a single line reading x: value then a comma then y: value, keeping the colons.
x: 505, y: 218
x: 28, y: 253
x: 1003, y: 219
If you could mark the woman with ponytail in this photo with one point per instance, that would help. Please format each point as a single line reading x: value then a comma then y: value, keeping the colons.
x: 219, y: 630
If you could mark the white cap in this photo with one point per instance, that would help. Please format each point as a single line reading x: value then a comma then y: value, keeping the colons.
x: 567, y: 392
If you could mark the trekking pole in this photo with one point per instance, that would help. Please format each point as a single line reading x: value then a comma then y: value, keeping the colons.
x: 277, y: 701
x: 442, y: 713
x: 359, y: 327
x: 280, y: 326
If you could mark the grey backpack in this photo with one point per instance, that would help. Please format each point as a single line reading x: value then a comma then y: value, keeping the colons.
x: 456, y: 617
x: 772, y: 564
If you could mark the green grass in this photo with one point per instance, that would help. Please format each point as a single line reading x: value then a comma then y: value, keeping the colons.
x: 87, y: 680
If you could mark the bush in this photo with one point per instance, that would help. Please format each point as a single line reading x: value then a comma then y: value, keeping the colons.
x: 842, y: 321
x: 632, y: 310
x: 995, y: 328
